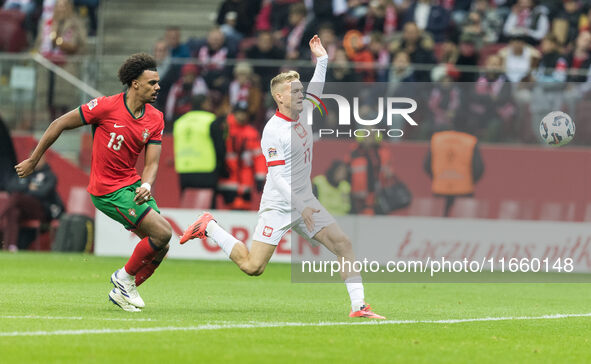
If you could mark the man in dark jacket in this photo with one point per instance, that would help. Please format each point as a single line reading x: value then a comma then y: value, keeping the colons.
x: 31, y: 198
x: 7, y: 156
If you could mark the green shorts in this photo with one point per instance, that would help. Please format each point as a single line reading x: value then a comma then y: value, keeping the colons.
x: 119, y: 206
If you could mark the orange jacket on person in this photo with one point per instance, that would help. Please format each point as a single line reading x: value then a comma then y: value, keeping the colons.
x: 244, y: 160
x: 454, y: 163
x: 359, y: 54
x: 370, y: 167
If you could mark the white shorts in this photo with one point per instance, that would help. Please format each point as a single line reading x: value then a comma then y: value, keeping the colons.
x: 274, y: 224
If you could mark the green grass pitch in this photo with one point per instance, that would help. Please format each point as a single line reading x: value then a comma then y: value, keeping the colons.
x: 208, y: 312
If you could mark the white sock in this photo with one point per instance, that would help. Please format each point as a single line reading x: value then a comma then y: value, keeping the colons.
x: 224, y: 239
x: 355, y: 288
x: 122, y: 274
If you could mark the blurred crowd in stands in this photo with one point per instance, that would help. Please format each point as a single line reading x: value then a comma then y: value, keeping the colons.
x: 56, y: 29
x: 491, y: 68
x: 515, y: 53
x: 505, y: 48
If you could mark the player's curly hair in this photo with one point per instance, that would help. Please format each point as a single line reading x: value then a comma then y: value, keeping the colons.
x: 134, y: 66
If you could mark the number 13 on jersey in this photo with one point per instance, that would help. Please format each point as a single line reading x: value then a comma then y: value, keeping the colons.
x: 115, y: 142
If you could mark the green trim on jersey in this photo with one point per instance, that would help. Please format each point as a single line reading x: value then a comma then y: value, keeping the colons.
x: 82, y: 115
x: 119, y: 206
x: 132, y: 115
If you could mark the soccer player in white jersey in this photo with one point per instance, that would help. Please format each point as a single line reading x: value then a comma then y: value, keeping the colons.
x: 287, y: 201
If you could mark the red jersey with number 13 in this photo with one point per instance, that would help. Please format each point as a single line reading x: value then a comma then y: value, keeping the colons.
x: 118, y: 139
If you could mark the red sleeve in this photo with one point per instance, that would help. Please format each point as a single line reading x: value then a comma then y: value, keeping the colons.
x: 93, y: 110
x: 156, y: 137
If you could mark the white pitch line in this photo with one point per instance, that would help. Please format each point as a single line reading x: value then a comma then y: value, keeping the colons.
x: 34, y: 317
x: 281, y: 324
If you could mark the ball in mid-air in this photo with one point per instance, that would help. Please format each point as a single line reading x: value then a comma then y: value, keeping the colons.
x: 557, y: 128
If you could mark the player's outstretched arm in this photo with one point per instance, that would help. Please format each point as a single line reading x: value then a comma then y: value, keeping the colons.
x: 70, y: 120
x: 317, y: 82
x: 316, y: 47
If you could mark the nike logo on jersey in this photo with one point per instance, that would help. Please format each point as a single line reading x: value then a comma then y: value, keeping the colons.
x: 119, y: 126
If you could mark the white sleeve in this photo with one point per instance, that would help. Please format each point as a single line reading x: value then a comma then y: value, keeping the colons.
x: 510, y: 24
x: 317, y: 82
x: 273, y: 149
x: 276, y: 175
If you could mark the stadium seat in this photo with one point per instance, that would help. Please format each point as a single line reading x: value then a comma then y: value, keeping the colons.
x: 466, y: 207
x: 3, y: 201
x: 13, y: 37
x: 220, y: 204
x: 197, y: 198
x: 41, y: 241
x: 516, y: 210
x: 556, y: 211
x: 587, y: 217
x: 79, y: 202
x: 489, y: 50
x: 426, y: 206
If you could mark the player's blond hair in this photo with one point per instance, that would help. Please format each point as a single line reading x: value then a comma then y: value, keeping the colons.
x: 281, y: 78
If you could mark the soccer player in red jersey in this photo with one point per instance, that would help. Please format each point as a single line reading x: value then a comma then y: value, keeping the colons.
x: 122, y: 126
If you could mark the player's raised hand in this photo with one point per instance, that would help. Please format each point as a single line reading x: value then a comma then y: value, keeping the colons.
x: 307, y: 216
x: 316, y: 47
x: 25, y: 167
x: 142, y: 195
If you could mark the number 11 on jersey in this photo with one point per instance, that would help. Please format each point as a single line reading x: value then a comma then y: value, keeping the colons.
x: 307, y: 155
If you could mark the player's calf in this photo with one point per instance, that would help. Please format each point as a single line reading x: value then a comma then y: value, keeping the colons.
x: 150, y: 266
x: 343, y: 245
x: 336, y: 241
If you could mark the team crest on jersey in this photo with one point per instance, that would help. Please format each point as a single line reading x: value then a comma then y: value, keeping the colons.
x: 131, y: 212
x: 272, y: 152
x: 92, y: 104
x: 145, y: 135
x: 299, y: 129
x: 267, y: 231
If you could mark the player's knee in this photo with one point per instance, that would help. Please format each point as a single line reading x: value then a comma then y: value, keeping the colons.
x: 166, y: 233
x: 258, y: 271
x: 164, y: 250
x: 162, y: 236
x: 252, y: 269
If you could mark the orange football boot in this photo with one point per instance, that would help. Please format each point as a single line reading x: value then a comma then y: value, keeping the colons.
x: 197, y: 230
x: 366, y: 312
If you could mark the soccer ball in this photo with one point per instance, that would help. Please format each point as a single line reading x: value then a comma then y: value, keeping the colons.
x: 557, y: 128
